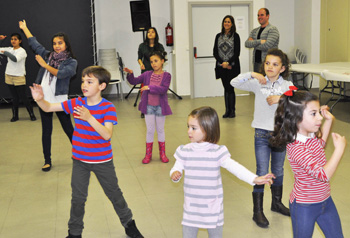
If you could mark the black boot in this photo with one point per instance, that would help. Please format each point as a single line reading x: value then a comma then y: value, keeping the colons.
x: 14, y: 114
x: 227, y: 108
x: 72, y: 236
x: 259, y: 217
x: 232, y: 105
x: 31, y: 113
x: 132, y: 231
x: 276, y: 204
x: 48, y: 164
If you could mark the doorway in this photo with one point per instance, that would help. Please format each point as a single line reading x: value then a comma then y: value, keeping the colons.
x: 205, y: 22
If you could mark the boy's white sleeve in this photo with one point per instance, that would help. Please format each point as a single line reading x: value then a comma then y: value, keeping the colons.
x: 239, y: 171
x: 177, y: 167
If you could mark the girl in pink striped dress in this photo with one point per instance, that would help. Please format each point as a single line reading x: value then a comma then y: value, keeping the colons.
x: 298, y: 123
x: 201, y: 160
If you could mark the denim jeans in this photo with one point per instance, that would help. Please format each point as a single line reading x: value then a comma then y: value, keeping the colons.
x: 154, y: 110
x: 324, y: 213
x: 263, y: 152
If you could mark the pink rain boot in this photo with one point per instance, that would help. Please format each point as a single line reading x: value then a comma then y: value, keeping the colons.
x: 148, y: 156
x: 162, y: 155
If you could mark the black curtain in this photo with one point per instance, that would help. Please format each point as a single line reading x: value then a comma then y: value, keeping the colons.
x: 45, y: 18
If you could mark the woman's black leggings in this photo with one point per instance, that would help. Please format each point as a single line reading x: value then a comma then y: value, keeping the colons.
x: 226, y: 83
x: 19, y: 92
x: 46, y: 123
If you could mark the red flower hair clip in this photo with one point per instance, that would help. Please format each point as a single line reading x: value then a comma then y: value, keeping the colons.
x: 291, y: 90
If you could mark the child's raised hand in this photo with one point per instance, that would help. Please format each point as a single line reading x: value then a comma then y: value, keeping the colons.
x: 82, y: 113
x: 266, y: 179
x: 40, y: 60
x: 259, y: 77
x: 327, y: 115
x: 22, y: 24
x: 37, y: 92
x: 129, y: 71
x: 339, y: 141
x: 176, y: 175
x: 2, y: 37
x: 273, y: 99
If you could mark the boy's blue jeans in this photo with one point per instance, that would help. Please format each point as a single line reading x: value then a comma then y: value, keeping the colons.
x: 263, y: 152
x: 105, y: 173
x: 324, y: 213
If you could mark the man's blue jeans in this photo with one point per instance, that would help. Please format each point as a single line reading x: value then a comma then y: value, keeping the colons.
x: 263, y: 153
x: 305, y: 215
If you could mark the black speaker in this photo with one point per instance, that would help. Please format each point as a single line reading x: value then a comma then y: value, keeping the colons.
x: 140, y: 15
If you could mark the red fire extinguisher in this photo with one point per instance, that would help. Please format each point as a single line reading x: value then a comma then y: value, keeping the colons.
x: 169, y: 35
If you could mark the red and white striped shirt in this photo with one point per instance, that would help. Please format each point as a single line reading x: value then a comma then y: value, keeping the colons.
x: 307, y: 157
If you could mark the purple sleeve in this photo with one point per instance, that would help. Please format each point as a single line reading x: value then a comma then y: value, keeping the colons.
x: 163, y: 88
x: 132, y: 80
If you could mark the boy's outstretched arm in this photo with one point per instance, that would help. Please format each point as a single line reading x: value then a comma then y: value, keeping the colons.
x: 105, y: 131
x: 38, y: 96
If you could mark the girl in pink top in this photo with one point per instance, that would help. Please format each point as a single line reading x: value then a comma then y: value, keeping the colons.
x: 154, y: 102
x: 201, y: 160
x: 298, y: 123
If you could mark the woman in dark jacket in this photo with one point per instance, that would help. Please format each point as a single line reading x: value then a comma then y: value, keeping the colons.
x: 227, y: 48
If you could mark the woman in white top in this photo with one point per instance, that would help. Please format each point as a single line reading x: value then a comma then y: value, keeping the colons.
x: 15, y: 75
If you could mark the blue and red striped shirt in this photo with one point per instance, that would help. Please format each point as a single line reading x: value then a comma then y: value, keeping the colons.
x: 88, y: 145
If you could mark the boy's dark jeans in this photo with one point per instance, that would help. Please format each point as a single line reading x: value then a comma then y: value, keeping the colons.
x: 105, y: 173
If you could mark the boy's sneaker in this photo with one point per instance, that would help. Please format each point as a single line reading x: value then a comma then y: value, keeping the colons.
x: 72, y: 236
x: 132, y: 231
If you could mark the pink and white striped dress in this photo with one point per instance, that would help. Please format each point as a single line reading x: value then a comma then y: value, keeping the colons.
x: 203, y: 192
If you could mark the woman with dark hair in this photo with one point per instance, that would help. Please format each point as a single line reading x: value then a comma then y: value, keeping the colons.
x: 146, y: 48
x: 57, y: 68
x: 15, y: 75
x: 150, y: 44
x: 227, y: 48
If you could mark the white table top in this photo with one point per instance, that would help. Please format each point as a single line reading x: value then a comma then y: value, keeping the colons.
x: 335, y: 71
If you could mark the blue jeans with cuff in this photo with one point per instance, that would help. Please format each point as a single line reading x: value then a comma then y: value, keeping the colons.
x: 263, y: 153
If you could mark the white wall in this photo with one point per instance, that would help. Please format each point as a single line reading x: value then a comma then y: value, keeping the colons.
x: 307, y: 31
x: 282, y: 15
x: 181, y: 39
x: 298, y: 22
x: 114, y: 30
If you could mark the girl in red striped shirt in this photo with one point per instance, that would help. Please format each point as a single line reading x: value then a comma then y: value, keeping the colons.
x: 298, y: 123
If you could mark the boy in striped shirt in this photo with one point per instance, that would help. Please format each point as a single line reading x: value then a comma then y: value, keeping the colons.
x: 94, y: 118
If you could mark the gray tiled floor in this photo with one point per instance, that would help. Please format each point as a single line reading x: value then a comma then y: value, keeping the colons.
x: 36, y: 204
